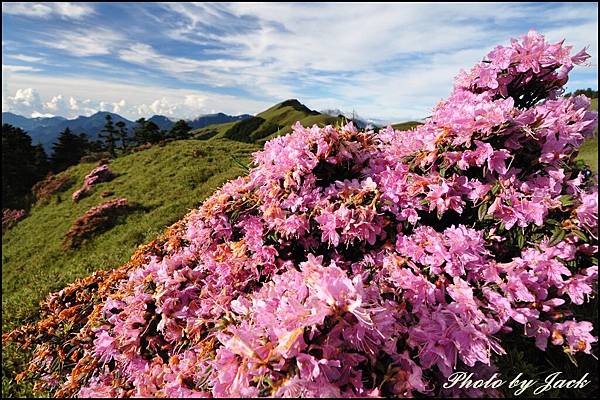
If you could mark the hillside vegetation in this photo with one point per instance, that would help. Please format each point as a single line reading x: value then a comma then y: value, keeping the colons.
x: 275, y: 121
x: 165, y: 181
x: 404, y: 126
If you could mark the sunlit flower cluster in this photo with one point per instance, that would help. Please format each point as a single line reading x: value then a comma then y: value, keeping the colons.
x: 10, y: 217
x: 353, y: 263
x: 99, y: 174
x: 96, y: 220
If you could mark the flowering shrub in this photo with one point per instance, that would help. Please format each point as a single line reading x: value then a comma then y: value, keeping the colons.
x: 95, y: 220
x: 50, y: 185
x: 10, y: 218
x: 99, y: 174
x: 353, y: 263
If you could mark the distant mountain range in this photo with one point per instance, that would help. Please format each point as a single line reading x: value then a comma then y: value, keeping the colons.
x: 45, y: 130
x: 272, y: 122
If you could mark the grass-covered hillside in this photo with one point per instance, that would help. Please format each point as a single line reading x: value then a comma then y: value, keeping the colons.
x: 404, y: 126
x: 275, y: 121
x: 165, y: 181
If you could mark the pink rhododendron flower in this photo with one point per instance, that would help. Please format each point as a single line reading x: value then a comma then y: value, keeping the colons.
x: 353, y: 264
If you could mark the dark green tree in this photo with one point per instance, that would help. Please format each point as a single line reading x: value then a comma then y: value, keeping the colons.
x: 41, y: 161
x: 109, y: 135
x: 22, y: 166
x: 68, y: 150
x: 122, y: 135
x: 589, y: 92
x: 139, y: 132
x: 180, y: 130
x: 146, y: 132
x: 153, y: 131
x: 91, y: 146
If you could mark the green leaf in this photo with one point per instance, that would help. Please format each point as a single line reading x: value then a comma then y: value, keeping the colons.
x: 566, y: 200
x: 551, y: 221
x: 580, y: 235
x: 496, y: 188
x: 482, y: 211
x: 520, y: 239
x: 558, y: 234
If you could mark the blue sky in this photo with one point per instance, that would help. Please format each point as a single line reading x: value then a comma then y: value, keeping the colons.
x: 390, y: 62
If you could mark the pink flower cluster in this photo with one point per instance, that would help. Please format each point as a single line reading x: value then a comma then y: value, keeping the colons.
x: 99, y: 174
x: 96, y: 220
x: 353, y: 263
x: 10, y: 217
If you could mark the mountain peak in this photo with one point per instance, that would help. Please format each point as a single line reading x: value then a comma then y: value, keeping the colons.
x: 291, y: 103
x: 296, y: 105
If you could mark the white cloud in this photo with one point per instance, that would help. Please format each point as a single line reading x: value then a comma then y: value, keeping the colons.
x: 25, y: 58
x: 389, y: 60
x: 36, y: 114
x: 18, y: 68
x: 84, y: 43
x: 82, y: 96
x: 46, y: 10
x: 56, y: 104
x: 24, y: 102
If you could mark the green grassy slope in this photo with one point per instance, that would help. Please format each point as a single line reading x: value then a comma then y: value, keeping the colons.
x: 404, y: 126
x: 275, y: 121
x: 167, y: 182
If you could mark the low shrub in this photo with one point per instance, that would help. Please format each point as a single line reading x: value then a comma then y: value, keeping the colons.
x: 96, y: 220
x: 50, y: 185
x: 10, y: 218
x: 102, y: 173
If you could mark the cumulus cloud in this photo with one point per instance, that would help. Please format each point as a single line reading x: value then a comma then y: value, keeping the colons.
x: 24, y: 102
x: 174, y: 103
x: 28, y: 102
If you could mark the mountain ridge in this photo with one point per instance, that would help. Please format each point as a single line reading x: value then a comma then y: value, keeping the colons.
x: 274, y: 121
x: 45, y: 130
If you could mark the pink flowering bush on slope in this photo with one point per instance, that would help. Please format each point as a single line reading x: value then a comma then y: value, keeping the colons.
x: 100, y: 174
x: 10, y: 217
x: 96, y: 220
x: 355, y: 263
